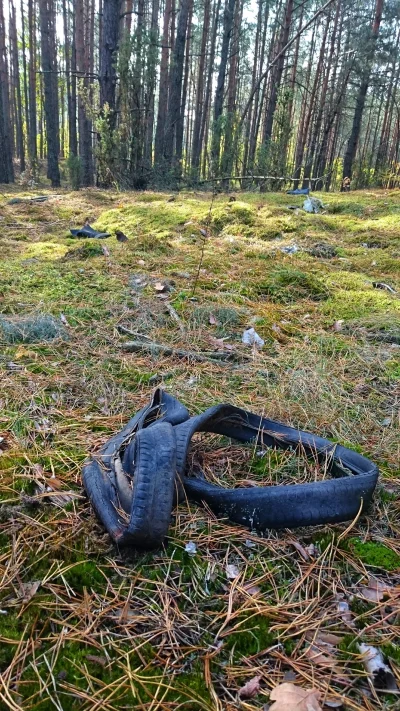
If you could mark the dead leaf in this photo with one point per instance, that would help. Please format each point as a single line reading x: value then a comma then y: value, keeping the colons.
x: 375, y: 590
x: 28, y: 590
x: 232, y: 571
x: 105, y: 250
x: 252, y: 589
x: 333, y: 702
x: 212, y: 320
x: 288, y: 697
x: 314, y: 654
x: 141, y: 262
x: 159, y: 286
x: 63, y: 320
x: 163, y: 297
x: 323, y: 638
x: 344, y: 610
x: 300, y: 549
x: 289, y: 676
x: 204, y: 233
x: 102, y: 661
x: 250, y: 689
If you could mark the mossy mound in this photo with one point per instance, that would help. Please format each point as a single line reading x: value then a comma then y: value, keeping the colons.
x: 86, y: 251
x: 285, y: 285
x: 376, y: 554
x: 31, y: 329
x: 236, y: 212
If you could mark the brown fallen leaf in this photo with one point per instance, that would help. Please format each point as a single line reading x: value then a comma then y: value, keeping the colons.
x: 375, y: 590
x: 252, y: 589
x: 297, y: 545
x: 159, y: 286
x: 323, y: 638
x: 102, y: 661
x: 288, y: 697
x: 28, y: 590
x: 250, y: 689
x: 321, y: 658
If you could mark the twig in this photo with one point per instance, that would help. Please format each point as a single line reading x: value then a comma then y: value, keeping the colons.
x: 161, y: 349
x: 128, y: 332
x: 174, y: 315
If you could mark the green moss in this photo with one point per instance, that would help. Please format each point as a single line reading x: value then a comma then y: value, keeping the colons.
x: 376, y: 555
x: 236, y: 212
x: 251, y: 636
x: 287, y: 284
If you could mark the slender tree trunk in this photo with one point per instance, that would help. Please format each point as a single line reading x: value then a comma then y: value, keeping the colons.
x: 175, y: 92
x: 108, y: 52
x: 163, y: 87
x: 219, y: 92
x: 362, y: 93
x: 181, y: 120
x: 17, y: 80
x: 50, y: 85
x: 196, y: 145
x: 276, y: 77
x: 72, y: 135
x: 205, y: 119
x: 32, y: 145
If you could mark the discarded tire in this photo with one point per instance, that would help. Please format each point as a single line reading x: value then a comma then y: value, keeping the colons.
x: 132, y: 481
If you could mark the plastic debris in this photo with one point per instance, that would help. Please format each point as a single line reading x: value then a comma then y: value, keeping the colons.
x: 291, y: 249
x: 251, y: 338
x: 313, y: 205
x: 191, y: 548
x: 298, y: 191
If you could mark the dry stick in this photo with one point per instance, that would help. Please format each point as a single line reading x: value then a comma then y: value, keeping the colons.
x: 274, y: 61
x: 160, y: 349
x: 174, y: 315
x: 128, y: 332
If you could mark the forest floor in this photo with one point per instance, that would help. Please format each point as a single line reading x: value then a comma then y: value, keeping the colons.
x: 82, y: 627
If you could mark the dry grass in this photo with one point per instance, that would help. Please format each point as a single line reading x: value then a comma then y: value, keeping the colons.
x: 82, y: 627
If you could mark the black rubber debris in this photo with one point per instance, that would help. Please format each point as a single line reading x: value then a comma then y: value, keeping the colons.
x: 87, y: 232
x: 133, y: 481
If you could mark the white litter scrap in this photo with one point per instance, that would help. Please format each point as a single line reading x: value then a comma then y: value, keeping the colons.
x: 290, y: 249
x: 312, y: 204
x: 251, y: 338
x: 374, y: 664
x: 191, y: 548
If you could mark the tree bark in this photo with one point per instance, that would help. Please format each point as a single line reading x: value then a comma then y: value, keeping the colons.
x: 362, y: 93
x: 219, y: 92
x: 50, y: 85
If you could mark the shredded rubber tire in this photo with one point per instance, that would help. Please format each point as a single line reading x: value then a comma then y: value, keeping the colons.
x: 154, y: 446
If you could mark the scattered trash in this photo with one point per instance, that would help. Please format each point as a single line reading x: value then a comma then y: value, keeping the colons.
x: 338, y: 325
x: 191, y: 548
x: 382, y: 285
x: 120, y: 236
x: 39, y: 198
x: 250, y: 337
x: 89, y: 233
x: 232, y: 571
x: 374, y: 664
x: 63, y: 320
x: 312, y: 204
x: 105, y: 250
x: 290, y: 249
x: 160, y: 287
x: 250, y: 689
x: 386, y: 422
x: 298, y: 191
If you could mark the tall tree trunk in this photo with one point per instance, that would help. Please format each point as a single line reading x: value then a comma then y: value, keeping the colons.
x: 362, y: 93
x: 276, y: 77
x: 32, y: 144
x: 163, y: 87
x: 85, y: 125
x: 151, y: 82
x: 108, y: 52
x: 175, y: 92
x: 205, y: 119
x: 72, y: 135
x: 50, y: 84
x: 219, y: 92
x: 25, y: 73
x: 198, y: 116
x: 6, y: 158
x: 229, y: 152
x: 17, y: 81
x: 181, y: 120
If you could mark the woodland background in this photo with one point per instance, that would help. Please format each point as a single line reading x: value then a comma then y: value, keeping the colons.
x: 264, y: 94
